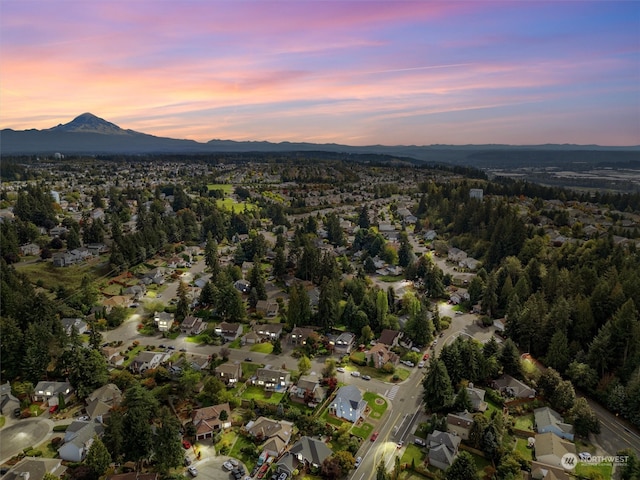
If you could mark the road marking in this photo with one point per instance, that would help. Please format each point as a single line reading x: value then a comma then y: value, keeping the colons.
x: 391, y: 394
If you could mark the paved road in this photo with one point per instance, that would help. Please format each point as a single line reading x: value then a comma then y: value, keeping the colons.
x: 20, y: 434
x: 615, y: 433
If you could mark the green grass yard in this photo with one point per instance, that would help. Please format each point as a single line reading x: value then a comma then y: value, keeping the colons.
x: 363, y: 431
x: 524, y: 422
x: 266, y: 347
x: 377, y: 404
x: 257, y: 393
x: 227, y: 188
x: 590, y: 470
x: 414, y: 454
x: 521, y: 447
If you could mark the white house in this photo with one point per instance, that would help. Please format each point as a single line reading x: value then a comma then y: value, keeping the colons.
x: 348, y: 403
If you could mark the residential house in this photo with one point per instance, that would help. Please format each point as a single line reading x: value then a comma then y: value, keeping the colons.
x: 348, y: 403
x: 276, y: 434
x: 120, y: 301
x: 390, y: 338
x: 30, y: 249
x: 512, y: 387
x: 229, y: 373
x: 8, y: 402
x: 344, y: 343
x: 133, y: 476
x: 208, y: 420
x: 163, y: 321
x: 267, y: 308
x: 97, y: 249
x: 306, y: 452
x: 198, y: 362
x: 32, y: 468
x: 251, y: 338
x: 48, y: 392
x: 155, y: 276
x: 146, y: 360
x: 476, y: 395
x: 136, y: 292
x: 469, y: 263
x: 430, y: 235
x: 102, y: 400
x: 540, y: 471
x: 307, y: 389
x: 550, y: 449
x: 229, y: 331
x: 299, y: 335
x: 68, y: 324
x: 456, y: 255
x: 443, y: 448
x: 460, y: 424
x: 548, y: 420
x: 78, y: 438
x: 380, y: 355
x: 193, y: 325
x: 242, y: 286
x: 113, y: 355
x: 270, y: 331
x: 272, y: 379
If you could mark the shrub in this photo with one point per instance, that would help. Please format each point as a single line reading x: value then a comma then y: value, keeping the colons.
x: 60, y: 428
x: 33, y: 453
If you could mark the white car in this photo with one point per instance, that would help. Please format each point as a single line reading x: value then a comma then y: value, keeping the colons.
x: 193, y: 471
x: 355, y: 374
x: 421, y: 364
x: 227, y: 466
x: 340, y: 369
x: 584, y: 455
x: 358, y: 462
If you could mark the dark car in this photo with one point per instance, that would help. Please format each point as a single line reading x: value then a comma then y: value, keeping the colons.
x: 366, y: 377
x: 17, y: 412
x: 248, y: 359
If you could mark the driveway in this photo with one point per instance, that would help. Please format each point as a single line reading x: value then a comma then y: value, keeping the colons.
x: 210, y: 465
x: 22, y: 434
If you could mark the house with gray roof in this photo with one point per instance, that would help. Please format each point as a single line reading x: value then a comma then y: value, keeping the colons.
x: 476, y: 395
x: 307, y: 389
x: 46, y: 391
x: 306, y: 452
x: 443, y: 448
x: 32, y: 468
x: 146, y: 360
x: 272, y: 379
x: 229, y: 373
x: 548, y: 420
x: 512, y: 387
x: 102, y: 400
x: 78, y: 438
x: 344, y: 343
x: 68, y: 324
x: 348, y: 403
x: 8, y: 402
x: 229, y: 331
x: 276, y: 434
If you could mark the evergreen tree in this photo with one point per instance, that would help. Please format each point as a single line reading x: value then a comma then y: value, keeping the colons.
x: 98, y: 457
x: 438, y: 391
x: 462, y: 468
x: 211, y: 258
x: 462, y: 401
x: 405, y: 252
x: 256, y: 280
x: 363, y: 218
x: 558, y: 353
x: 182, y: 307
x: 510, y: 358
x: 167, y: 446
x: 299, y: 308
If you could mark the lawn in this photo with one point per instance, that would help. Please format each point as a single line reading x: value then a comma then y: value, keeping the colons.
x: 412, y: 453
x: 130, y: 355
x: 265, y: 347
x: 377, y: 404
x: 249, y: 369
x: 70, y: 278
x: 524, y: 422
x: 585, y: 470
x: 521, y: 447
x: 257, y: 393
x: 481, y: 464
x: 230, y: 204
x: 390, y: 278
x: 227, y: 188
x: 331, y: 419
x: 491, y: 407
x: 236, y: 451
x: 363, y: 431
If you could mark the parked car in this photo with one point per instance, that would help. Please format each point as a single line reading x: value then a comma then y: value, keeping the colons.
x: 283, y: 476
x: 374, y: 436
x: 171, y: 347
x: 248, y: 359
x: 358, y: 462
x: 193, y: 471
x: 84, y: 418
x: 233, y: 462
x: 187, y: 461
x: 227, y: 466
x: 400, y: 444
x: 425, y: 356
x: 420, y: 442
x: 421, y: 364
x: 584, y: 455
x: 53, y: 408
x: 17, y: 412
x: 366, y: 377
x: 340, y: 369
x: 355, y: 374
x: 186, y: 444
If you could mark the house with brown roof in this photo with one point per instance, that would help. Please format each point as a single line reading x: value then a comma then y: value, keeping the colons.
x: 229, y: 331
x: 229, y: 373
x: 193, y: 325
x: 113, y: 355
x: 299, y: 335
x: 267, y: 308
x: 550, y: 449
x: 251, y: 338
x: 102, y: 400
x: 307, y: 389
x: 272, y: 379
x: 276, y: 434
x: 390, y: 338
x: 207, y: 420
x: 380, y: 354
x: 269, y: 331
x: 460, y: 424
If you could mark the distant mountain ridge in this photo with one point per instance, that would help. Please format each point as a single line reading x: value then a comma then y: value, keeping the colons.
x: 89, y: 134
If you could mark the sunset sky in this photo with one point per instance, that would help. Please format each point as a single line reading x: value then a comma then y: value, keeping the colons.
x: 354, y: 72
